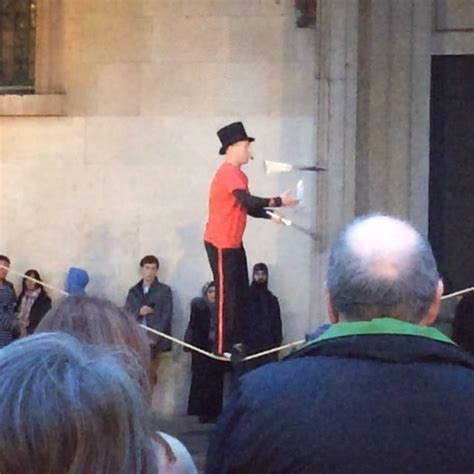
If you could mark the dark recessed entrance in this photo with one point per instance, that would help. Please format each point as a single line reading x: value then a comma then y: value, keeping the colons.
x: 451, y: 192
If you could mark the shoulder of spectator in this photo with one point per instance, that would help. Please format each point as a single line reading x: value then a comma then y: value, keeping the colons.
x: 135, y: 288
x: 273, y: 295
x: 164, y: 286
x: 183, y: 464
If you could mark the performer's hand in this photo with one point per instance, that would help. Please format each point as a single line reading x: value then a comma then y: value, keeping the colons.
x: 145, y: 310
x: 288, y: 200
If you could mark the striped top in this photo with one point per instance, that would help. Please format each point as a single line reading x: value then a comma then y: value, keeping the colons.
x: 7, y: 312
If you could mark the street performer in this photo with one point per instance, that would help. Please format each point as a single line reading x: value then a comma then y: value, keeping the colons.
x: 229, y: 203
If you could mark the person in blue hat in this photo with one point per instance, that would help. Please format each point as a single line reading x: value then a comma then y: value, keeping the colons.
x: 76, y: 281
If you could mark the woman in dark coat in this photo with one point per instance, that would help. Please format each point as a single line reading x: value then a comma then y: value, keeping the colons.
x: 33, y: 303
x: 207, y: 382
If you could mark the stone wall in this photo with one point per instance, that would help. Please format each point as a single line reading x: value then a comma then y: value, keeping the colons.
x: 126, y: 172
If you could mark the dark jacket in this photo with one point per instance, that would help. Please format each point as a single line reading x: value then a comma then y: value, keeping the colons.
x: 39, y: 308
x: 263, y: 322
x: 207, y: 381
x: 160, y: 298
x: 262, y: 328
x: 367, y: 397
x: 7, y: 313
x: 463, y: 323
x: 197, y: 333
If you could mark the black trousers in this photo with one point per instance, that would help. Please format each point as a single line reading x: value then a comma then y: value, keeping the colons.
x: 229, y: 268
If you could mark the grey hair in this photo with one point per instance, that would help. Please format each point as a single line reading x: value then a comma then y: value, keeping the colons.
x: 70, y: 408
x: 359, y: 293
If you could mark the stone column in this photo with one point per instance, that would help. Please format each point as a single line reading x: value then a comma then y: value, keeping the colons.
x: 336, y: 81
x: 393, y: 109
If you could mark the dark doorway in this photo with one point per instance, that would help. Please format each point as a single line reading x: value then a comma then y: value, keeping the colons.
x: 451, y: 193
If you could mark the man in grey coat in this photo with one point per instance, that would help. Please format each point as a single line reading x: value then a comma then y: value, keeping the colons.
x: 152, y: 304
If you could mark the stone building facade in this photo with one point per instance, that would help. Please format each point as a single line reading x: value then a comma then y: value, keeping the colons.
x: 112, y: 157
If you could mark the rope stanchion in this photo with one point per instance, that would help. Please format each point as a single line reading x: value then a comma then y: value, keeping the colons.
x: 458, y: 293
x: 198, y: 349
x: 162, y: 334
x: 185, y: 344
x: 275, y: 349
x: 217, y: 357
x: 42, y: 283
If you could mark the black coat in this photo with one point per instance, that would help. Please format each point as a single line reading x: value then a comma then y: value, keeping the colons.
x: 363, y: 403
x: 262, y: 328
x: 160, y: 298
x: 207, y: 382
x: 39, y: 308
x: 463, y: 324
x: 197, y: 332
x: 7, y: 318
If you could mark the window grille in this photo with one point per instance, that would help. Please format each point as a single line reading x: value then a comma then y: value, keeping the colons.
x: 17, y: 46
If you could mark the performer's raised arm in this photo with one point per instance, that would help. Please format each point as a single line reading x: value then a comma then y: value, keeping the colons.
x: 254, y: 205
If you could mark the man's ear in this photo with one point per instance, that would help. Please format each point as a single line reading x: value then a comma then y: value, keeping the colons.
x: 435, y: 306
x: 332, y: 313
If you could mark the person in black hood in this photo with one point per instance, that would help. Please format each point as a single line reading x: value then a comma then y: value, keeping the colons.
x: 262, y: 328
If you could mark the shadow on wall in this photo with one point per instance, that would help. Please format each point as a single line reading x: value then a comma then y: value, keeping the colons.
x: 98, y: 260
x: 297, y: 252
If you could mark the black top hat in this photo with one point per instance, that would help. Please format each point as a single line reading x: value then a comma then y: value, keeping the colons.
x: 232, y: 133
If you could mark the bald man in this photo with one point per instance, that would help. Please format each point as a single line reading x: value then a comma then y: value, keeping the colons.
x: 380, y: 391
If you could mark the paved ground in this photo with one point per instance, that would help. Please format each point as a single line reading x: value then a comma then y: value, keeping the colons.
x: 192, y: 434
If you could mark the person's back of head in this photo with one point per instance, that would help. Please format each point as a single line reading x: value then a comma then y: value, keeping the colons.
x: 381, y: 266
x: 76, y: 281
x: 70, y: 408
x: 100, y: 322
